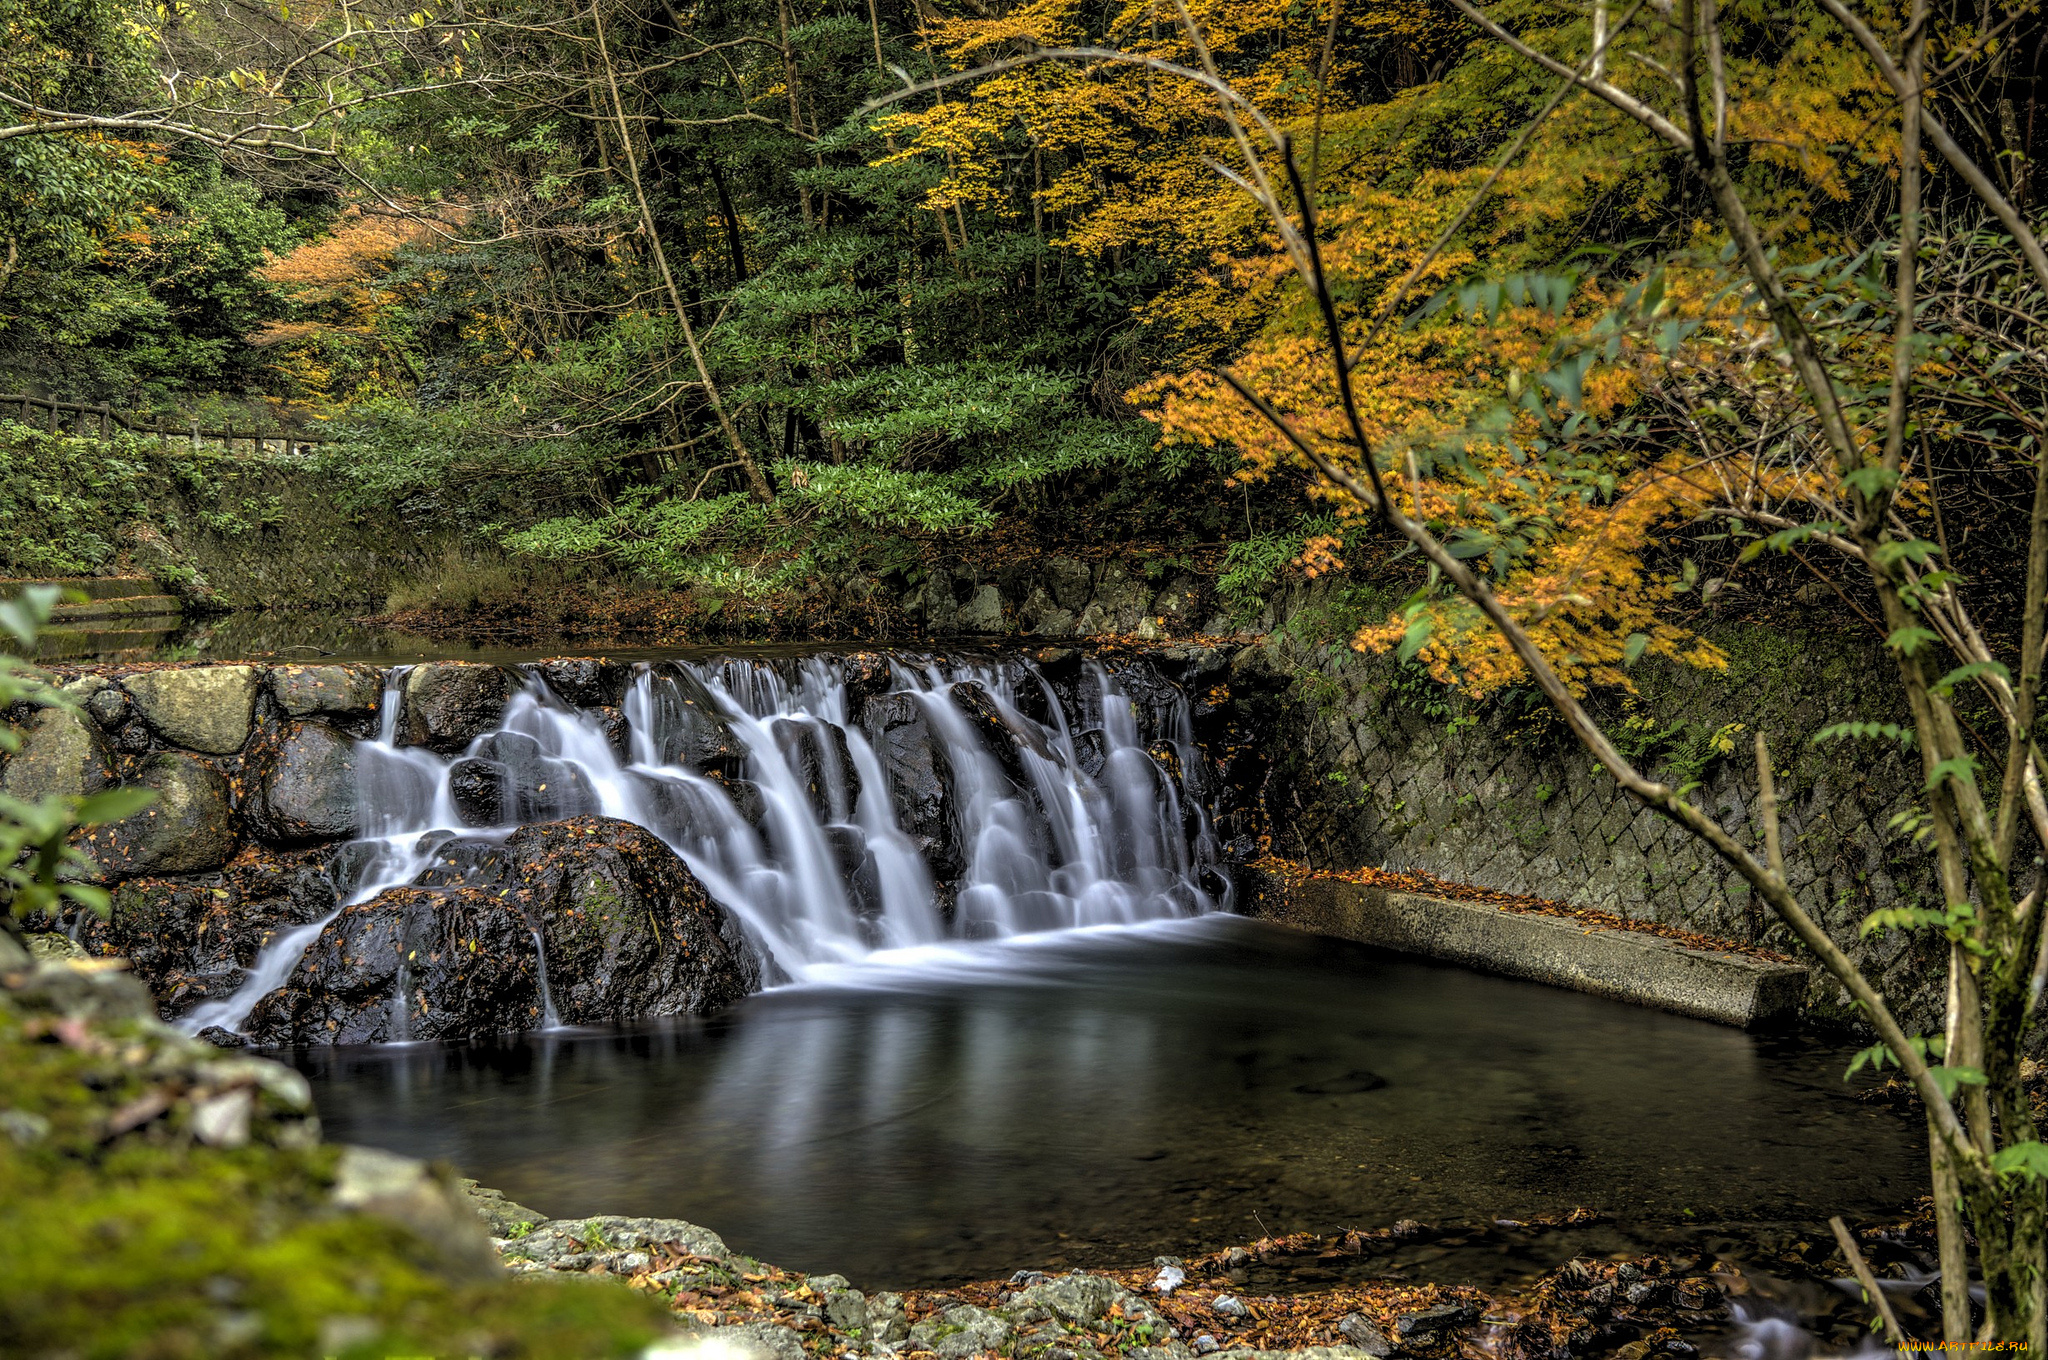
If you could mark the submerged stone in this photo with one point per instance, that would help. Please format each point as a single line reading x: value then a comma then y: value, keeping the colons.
x: 584, y: 681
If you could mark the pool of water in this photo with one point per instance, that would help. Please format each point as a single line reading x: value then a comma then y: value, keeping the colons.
x: 1102, y: 1097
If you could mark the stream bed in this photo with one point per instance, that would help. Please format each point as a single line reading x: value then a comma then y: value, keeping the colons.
x: 1097, y: 1097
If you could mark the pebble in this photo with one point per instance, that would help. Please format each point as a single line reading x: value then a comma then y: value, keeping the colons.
x: 1229, y: 1305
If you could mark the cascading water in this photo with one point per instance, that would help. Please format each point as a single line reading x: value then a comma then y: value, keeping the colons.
x: 947, y: 800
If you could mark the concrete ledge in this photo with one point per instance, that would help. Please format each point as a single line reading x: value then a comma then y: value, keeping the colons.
x: 1732, y: 989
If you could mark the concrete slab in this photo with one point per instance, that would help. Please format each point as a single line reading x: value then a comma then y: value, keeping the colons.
x: 1732, y: 989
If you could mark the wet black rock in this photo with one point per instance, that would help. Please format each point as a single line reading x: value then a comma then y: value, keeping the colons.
x: 449, y: 704
x: 478, y: 790
x: 699, y: 807
x: 618, y: 733
x: 818, y: 755
x: 864, y: 674
x: 192, y: 939
x: 919, y: 791
x: 628, y: 929
x: 411, y: 963
x: 585, y: 681
x: 690, y: 727
x: 534, y: 786
x: 304, y: 777
x: 998, y: 738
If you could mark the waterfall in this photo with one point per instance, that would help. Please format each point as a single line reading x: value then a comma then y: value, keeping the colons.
x: 945, y: 799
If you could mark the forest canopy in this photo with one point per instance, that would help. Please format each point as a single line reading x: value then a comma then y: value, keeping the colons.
x: 738, y: 294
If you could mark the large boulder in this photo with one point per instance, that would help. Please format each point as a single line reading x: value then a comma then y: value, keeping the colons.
x: 62, y: 755
x: 410, y: 963
x: 186, y: 830
x: 338, y: 691
x: 202, y: 708
x: 449, y: 704
x: 628, y: 929
x: 304, y: 785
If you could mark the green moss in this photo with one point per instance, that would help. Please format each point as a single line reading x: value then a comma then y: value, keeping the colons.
x: 146, y: 1244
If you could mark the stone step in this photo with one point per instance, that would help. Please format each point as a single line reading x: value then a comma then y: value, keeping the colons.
x: 121, y: 607
x: 92, y: 587
x: 1649, y: 970
x: 101, y: 644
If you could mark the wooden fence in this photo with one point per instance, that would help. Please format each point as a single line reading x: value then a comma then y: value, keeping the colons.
x: 78, y: 418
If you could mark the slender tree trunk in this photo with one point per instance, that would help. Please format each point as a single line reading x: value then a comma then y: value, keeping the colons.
x: 755, y: 481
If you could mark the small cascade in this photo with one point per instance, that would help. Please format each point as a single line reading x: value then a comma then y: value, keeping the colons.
x: 401, y: 1005
x: 834, y: 816
x: 550, y: 1018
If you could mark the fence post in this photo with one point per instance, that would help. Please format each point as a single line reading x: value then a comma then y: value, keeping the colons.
x: 163, y: 436
x: 106, y: 423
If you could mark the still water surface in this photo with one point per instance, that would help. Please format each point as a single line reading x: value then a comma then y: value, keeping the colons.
x: 1101, y: 1097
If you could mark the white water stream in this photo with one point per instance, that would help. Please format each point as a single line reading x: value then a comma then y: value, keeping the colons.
x: 1078, y: 826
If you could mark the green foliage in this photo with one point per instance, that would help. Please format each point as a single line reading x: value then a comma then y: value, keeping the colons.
x: 40, y: 864
x: 1251, y: 567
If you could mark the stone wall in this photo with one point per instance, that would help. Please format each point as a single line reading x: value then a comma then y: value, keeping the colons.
x: 1376, y: 765
x: 254, y: 772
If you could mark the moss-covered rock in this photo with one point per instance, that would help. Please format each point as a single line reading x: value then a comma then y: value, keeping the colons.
x: 62, y: 755
x: 187, y: 829
x: 343, y: 691
x: 202, y: 708
x: 160, y: 1198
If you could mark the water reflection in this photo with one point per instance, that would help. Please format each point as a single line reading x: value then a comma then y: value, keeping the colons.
x: 1104, y: 1096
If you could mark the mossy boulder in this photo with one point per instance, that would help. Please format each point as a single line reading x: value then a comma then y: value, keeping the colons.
x: 187, y: 829
x: 159, y: 1197
x: 202, y: 708
x: 62, y: 755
